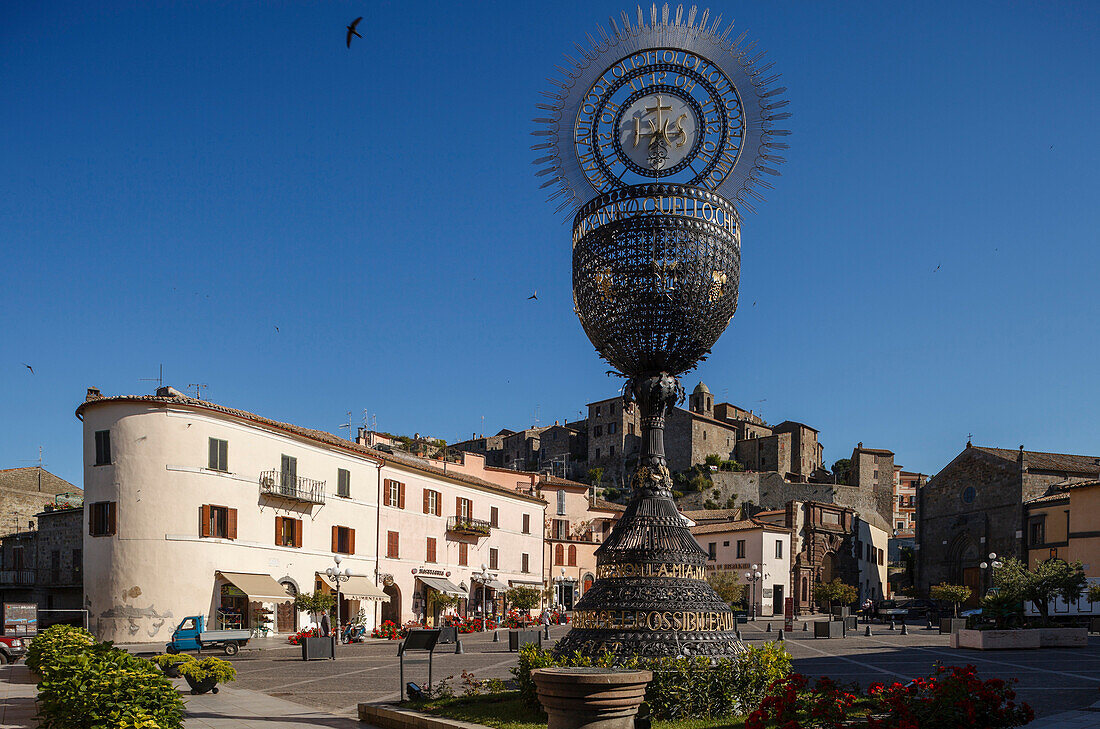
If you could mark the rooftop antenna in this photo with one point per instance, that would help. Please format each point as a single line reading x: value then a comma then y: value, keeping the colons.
x: 536, y: 416
x: 199, y: 387
x: 159, y: 378
x: 37, y: 464
x: 347, y: 425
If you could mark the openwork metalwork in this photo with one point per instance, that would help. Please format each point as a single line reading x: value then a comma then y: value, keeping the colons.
x: 658, y: 126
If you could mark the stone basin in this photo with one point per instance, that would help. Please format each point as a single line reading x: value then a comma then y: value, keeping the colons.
x: 591, y: 698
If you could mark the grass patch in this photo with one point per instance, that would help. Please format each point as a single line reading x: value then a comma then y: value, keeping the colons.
x: 506, y: 711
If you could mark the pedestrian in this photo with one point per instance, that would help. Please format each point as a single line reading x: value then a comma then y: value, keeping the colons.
x: 546, y: 623
x: 868, y: 609
x: 325, y: 626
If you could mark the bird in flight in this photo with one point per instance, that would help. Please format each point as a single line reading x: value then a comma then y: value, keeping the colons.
x: 276, y: 330
x: 352, y: 31
x: 29, y: 367
x: 534, y: 296
x: 937, y: 268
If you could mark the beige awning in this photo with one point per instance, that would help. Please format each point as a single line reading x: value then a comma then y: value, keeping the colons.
x: 356, y: 588
x: 496, y: 585
x: 259, y: 588
x: 443, y: 585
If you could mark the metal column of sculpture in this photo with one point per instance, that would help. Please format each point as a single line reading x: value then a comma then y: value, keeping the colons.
x: 655, y: 136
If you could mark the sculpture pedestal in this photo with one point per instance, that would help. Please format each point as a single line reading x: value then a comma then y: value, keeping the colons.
x: 591, y: 698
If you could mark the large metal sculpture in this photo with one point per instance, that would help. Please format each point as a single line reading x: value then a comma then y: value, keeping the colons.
x: 657, y: 133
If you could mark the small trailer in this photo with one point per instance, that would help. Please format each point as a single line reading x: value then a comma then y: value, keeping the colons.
x: 191, y: 635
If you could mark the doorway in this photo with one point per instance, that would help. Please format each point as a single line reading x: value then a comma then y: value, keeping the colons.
x: 286, y: 617
x: 972, y: 578
x: 391, y: 610
x: 777, y: 599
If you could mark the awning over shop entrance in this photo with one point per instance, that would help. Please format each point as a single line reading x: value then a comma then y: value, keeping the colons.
x: 496, y: 585
x: 259, y: 588
x: 443, y: 585
x: 357, y: 588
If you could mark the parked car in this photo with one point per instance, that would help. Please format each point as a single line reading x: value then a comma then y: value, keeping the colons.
x: 921, y: 608
x: 888, y: 610
x: 12, y: 648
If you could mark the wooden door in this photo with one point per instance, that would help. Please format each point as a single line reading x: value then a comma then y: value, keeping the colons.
x: 972, y: 578
x: 286, y: 618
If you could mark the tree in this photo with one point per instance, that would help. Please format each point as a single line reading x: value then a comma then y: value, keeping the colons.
x: 725, y: 583
x: 438, y: 602
x: 1094, y: 592
x: 835, y: 592
x: 1050, y: 579
x: 954, y: 594
x: 595, y: 476
x: 841, y: 469
x: 315, y: 603
x: 713, y: 460
x: 523, y: 598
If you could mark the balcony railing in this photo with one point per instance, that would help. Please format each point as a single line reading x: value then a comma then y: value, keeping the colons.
x: 468, y: 525
x: 42, y: 577
x: 17, y: 577
x: 288, y: 486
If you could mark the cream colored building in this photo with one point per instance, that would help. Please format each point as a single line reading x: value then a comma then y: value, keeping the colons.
x: 195, y: 508
x: 737, y: 546
x: 870, y: 547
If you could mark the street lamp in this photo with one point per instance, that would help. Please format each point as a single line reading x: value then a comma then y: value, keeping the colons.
x: 753, y: 577
x: 994, y: 563
x: 337, y: 575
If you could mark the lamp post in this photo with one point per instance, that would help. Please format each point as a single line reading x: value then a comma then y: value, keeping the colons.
x: 337, y: 575
x: 753, y: 577
x: 992, y: 563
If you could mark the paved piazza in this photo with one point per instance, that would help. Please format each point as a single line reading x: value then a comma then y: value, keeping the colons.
x: 1051, y: 680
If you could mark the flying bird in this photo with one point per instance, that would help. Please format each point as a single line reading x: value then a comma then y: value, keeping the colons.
x: 352, y: 31
x: 29, y: 367
x: 276, y: 329
x: 936, y: 268
x: 534, y: 296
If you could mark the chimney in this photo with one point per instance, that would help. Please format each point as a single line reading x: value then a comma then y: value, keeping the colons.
x: 93, y: 394
x: 859, y: 445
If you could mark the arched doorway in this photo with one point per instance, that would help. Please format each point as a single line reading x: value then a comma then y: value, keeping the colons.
x: 827, y: 572
x: 286, y: 617
x: 964, y: 557
x: 392, y: 610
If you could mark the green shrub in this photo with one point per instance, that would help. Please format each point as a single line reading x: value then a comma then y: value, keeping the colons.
x: 102, y: 686
x: 164, y: 660
x: 52, y: 643
x: 758, y: 668
x: 216, y: 668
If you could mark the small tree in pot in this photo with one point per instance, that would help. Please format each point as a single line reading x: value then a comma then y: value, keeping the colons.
x: 523, y: 598
x: 835, y: 592
x: 1050, y: 579
x: 954, y: 594
x: 315, y: 603
x: 205, y: 675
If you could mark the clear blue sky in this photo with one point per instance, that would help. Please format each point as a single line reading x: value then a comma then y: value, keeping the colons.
x: 179, y: 179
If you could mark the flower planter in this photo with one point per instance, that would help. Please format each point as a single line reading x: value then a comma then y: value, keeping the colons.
x: 1063, y: 637
x: 203, y: 686
x: 841, y: 612
x: 829, y: 629
x: 994, y: 640
x: 316, y: 648
x: 516, y: 638
x: 950, y: 626
x: 591, y: 698
x: 171, y: 671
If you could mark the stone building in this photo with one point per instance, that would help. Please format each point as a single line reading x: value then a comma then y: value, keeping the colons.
x: 614, y: 437
x: 492, y: 446
x: 576, y: 524
x: 906, y: 486
x: 25, y: 492
x: 975, y: 505
x: 45, y: 565
x: 736, y: 546
x: 563, y: 450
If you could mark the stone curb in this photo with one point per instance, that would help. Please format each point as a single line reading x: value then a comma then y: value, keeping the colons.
x: 388, y: 716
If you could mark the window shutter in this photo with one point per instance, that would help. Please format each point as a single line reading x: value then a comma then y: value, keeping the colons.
x: 231, y: 523
x: 278, y: 531
x: 205, y: 528
x: 386, y: 492
x: 458, y: 506
x: 213, y: 458
x: 112, y: 518
x: 351, y: 541
x: 400, y: 496
x: 91, y: 519
x: 335, y: 537
x: 427, y: 510
x: 297, y: 532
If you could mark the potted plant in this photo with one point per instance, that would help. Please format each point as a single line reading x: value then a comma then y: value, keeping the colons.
x: 205, y: 675
x: 955, y: 595
x: 170, y: 663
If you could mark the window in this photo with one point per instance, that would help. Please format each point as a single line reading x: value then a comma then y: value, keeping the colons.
x: 343, y: 482
x: 630, y: 428
x: 611, y: 428
x: 740, y: 549
x: 597, y: 453
x: 464, y: 508
x: 102, y: 447
x: 901, y: 525
x: 432, y: 502
x: 712, y: 551
x: 17, y: 558
x: 102, y: 520
x: 559, y: 529
x: 393, y: 493
x: 901, y: 500
x: 778, y: 549
x: 611, y: 410
x: 392, y: 545
x: 494, y: 517
x: 880, y: 557
x: 597, y: 411
x: 343, y: 540
x: 288, y: 470
x: 968, y: 495
x: 219, y: 522
x: 524, y: 563
x: 599, y: 430
x: 463, y: 553
x: 612, y: 453
x: 430, y: 556
x: 561, y: 501
x: 572, y: 555
x: 494, y: 558
x: 219, y: 455
x: 288, y: 532
x: 55, y: 566
x: 704, y: 435
x: 726, y: 543
x: 559, y: 554
x: 526, y: 524
x: 1035, y: 533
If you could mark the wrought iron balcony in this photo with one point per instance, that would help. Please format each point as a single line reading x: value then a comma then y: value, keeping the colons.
x: 295, y: 488
x: 17, y: 577
x: 468, y: 525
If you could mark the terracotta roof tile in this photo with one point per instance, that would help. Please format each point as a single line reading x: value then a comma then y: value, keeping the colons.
x: 1048, y: 498
x: 1065, y: 462
x: 734, y: 526
x: 711, y: 514
x: 608, y: 505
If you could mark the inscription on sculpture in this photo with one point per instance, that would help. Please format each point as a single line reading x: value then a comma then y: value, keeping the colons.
x: 681, y: 571
x: 688, y: 621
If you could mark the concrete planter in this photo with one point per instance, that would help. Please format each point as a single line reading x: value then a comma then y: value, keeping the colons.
x: 1063, y: 637
x: 516, y: 638
x: 842, y: 612
x: 591, y: 698
x: 829, y: 629
x: 995, y: 640
x: 314, y: 649
x: 950, y: 626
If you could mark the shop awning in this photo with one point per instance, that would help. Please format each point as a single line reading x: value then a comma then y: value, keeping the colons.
x: 496, y: 585
x: 443, y: 585
x: 525, y: 583
x: 259, y: 588
x: 357, y: 588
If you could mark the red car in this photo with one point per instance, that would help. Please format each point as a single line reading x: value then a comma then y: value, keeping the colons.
x: 12, y: 648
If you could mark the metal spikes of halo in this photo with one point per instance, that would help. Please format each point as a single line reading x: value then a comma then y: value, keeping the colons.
x: 656, y: 135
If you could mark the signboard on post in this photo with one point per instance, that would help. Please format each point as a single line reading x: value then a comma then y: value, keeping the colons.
x: 788, y: 614
x: 20, y: 618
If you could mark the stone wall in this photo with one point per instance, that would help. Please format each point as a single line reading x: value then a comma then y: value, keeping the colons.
x: 25, y: 492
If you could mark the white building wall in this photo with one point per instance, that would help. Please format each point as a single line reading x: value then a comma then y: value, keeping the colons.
x: 760, y: 549
x: 872, y: 575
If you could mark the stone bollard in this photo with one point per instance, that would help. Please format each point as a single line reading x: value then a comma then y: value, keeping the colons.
x: 769, y: 628
x: 929, y: 627
x: 805, y: 627
x: 867, y: 631
x: 496, y: 636
x: 738, y: 633
x: 458, y: 647
x: 904, y: 629
x: 591, y: 698
x: 780, y: 638
x: 891, y: 624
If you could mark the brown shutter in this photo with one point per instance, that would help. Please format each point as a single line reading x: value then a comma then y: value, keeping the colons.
x: 112, y: 517
x: 204, y: 529
x: 458, y: 506
x: 297, y: 532
x: 400, y: 496
x: 335, y: 537
x: 386, y: 492
x: 427, y: 509
x: 231, y: 524
x: 351, y: 541
x: 91, y: 519
x: 278, y: 531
